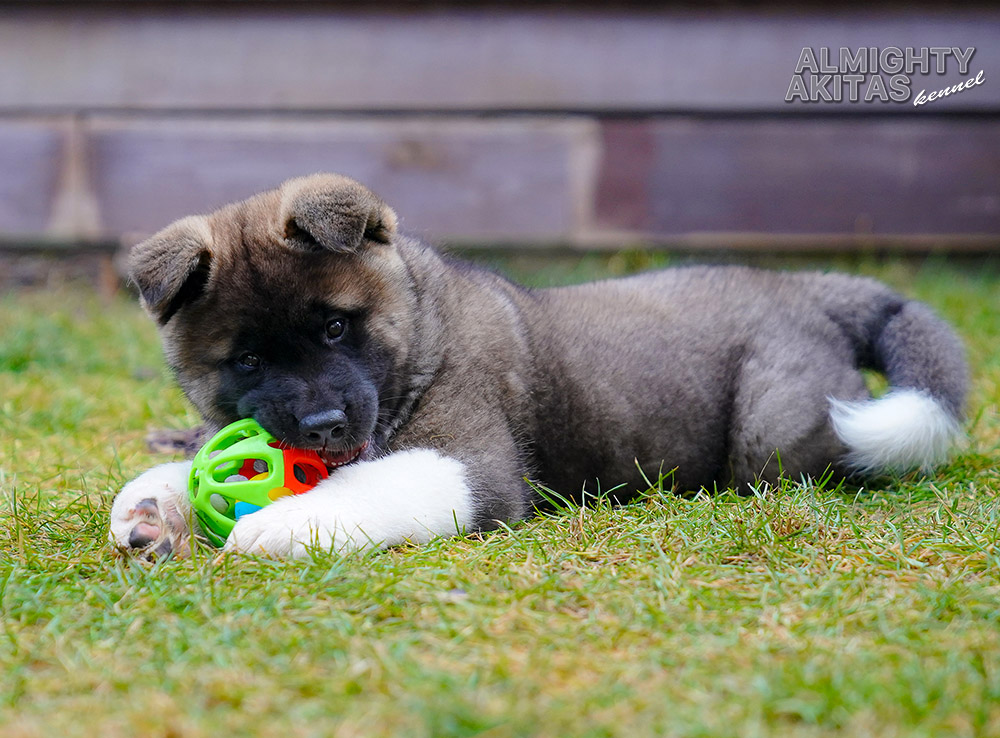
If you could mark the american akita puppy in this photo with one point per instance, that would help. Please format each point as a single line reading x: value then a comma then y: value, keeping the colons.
x: 436, y: 390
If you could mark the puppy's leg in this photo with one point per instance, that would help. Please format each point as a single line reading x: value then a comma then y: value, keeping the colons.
x: 413, y: 495
x: 149, y: 517
x: 781, y: 412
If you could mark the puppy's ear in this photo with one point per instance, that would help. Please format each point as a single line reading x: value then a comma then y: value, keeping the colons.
x: 172, y: 267
x: 333, y: 213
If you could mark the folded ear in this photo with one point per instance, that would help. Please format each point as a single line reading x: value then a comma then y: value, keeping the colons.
x: 172, y: 267
x: 333, y: 213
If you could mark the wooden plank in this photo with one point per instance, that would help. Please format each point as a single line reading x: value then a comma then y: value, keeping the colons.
x: 858, y: 177
x: 238, y: 57
x: 462, y: 178
x: 30, y: 161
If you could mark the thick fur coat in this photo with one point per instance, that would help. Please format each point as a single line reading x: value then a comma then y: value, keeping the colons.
x: 439, y: 391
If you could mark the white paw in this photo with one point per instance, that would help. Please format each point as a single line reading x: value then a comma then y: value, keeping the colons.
x: 149, y: 517
x: 286, y: 529
x: 406, y: 496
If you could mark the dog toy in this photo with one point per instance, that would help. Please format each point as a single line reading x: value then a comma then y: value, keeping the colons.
x: 242, y: 469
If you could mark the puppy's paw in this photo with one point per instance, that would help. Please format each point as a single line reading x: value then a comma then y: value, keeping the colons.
x: 149, y: 517
x: 282, y: 530
x: 291, y: 526
x: 410, y: 496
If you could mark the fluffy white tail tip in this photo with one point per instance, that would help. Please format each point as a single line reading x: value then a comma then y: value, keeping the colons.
x: 906, y: 429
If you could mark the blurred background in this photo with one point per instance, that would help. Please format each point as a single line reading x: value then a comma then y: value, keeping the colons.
x: 530, y: 126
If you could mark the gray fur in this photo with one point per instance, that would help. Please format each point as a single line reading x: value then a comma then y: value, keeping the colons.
x: 720, y: 375
x: 917, y: 349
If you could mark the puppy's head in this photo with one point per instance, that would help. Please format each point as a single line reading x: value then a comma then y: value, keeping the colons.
x: 293, y: 307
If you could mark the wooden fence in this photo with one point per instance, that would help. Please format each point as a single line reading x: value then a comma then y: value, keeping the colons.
x: 580, y: 126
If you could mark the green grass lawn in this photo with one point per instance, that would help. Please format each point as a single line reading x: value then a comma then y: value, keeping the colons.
x: 800, y: 612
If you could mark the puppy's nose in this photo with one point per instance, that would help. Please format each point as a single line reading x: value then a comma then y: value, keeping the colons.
x: 325, y: 428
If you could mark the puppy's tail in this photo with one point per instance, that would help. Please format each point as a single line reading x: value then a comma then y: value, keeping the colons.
x: 916, y: 423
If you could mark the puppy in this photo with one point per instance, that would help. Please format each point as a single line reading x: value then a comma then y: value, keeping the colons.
x: 436, y: 391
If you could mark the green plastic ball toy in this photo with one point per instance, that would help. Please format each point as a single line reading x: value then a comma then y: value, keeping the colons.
x: 242, y: 469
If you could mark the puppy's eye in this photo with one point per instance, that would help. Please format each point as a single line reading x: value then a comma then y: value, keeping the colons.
x: 248, y: 360
x: 335, y: 328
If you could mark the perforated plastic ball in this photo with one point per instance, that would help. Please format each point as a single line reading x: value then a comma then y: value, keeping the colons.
x: 242, y: 469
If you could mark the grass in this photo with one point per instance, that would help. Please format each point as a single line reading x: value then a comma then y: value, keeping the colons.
x: 804, y: 611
